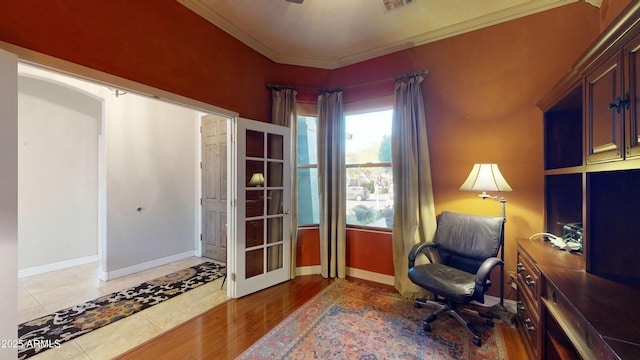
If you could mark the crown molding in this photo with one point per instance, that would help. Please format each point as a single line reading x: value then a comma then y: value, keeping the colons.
x: 515, y: 12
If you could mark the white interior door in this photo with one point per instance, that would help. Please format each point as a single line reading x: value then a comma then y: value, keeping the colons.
x: 8, y: 201
x: 262, y: 246
x: 214, y: 187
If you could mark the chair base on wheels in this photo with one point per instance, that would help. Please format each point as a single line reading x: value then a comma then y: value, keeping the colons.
x: 450, y: 308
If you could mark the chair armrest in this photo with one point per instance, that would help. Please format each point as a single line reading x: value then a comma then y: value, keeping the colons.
x: 418, y: 249
x: 482, y: 276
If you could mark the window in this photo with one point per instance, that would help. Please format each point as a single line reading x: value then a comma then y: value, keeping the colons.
x: 369, y: 182
x: 369, y: 175
x: 308, y: 198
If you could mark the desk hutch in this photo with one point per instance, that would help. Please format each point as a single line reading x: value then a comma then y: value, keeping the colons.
x: 587, y: 304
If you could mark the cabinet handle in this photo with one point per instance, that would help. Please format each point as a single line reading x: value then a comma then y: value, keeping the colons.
x: 619, y: 103
x: 528, y: 281
x: 520, y: 268
x: 527, y: 321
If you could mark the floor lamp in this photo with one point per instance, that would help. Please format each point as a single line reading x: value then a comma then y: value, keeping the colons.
x: 487, y: 177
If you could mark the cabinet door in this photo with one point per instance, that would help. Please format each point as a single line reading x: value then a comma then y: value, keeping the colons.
x: 603, y: 112
x: 632, y: 98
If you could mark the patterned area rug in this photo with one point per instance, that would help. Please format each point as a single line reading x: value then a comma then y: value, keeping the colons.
x: 354, y: 321
x: 51, y: 330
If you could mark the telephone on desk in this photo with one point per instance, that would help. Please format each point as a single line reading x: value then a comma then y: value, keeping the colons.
x: 571, y: 240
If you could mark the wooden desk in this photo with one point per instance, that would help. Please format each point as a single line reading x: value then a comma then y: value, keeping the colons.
x: 578, y: 314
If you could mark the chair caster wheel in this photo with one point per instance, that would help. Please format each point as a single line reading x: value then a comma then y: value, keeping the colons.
x: 477, y: 341
x: 417, y: 305
x: 426, y: 327
x: 430, y: 318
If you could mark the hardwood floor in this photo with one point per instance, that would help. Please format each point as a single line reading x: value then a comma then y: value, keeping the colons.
x: 225, y: 331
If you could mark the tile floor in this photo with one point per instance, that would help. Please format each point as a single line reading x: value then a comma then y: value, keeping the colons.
x: 42, y: 294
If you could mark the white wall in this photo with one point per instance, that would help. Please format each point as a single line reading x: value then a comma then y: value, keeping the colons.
x: 58, y: 173
x: 150, y: 164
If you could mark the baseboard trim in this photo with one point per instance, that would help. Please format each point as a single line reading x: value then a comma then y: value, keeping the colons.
x: 308, y: 270
x: 490, y: 301
x: 110, y: 275
x: 36, y: 270
x: 370, y: 276
x: 352, y: 272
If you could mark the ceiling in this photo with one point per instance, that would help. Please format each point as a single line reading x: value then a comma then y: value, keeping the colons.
x: 330, y: 34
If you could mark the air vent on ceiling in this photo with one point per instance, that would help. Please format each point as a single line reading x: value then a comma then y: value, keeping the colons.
x: 390, y: 5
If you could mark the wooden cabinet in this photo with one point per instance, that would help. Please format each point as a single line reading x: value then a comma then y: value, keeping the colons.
x: 528, y: 305
x: 632, y: 89
x: 605, y: 108
x: 592, y: 176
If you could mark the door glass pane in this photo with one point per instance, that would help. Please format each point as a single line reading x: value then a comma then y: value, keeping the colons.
x: 254, y: 262
x: 274, y: 230
x: 255, y: 203
x: 274, y: 257
x: 254, y: 176
x: 274, y: 202
x: 254, y: 230
x: 255, y: 144
x: 275, y: 146
x: 274, y: 174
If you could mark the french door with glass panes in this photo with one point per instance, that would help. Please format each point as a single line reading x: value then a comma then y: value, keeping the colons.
x: 262, y: 245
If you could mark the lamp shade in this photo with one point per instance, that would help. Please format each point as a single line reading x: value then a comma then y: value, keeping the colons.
x: 257, y: 179
x: 485, y: 177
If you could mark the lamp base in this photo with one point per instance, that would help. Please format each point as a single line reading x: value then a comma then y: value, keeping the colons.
x: 501, y: 313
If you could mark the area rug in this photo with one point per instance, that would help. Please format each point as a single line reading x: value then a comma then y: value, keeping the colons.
x: 355, y: 321
x: 51, y: 330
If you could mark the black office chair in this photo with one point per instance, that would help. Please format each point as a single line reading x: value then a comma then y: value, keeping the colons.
x: 466, y: 247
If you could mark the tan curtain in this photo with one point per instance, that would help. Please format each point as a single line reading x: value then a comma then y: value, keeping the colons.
x: 414, y: 213
x: 332, y: 185
x: 283, y: 112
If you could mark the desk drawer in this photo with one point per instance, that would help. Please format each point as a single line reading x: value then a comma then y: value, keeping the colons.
x: 529, y: 326
x: 528, y: 275
x: 586, y: 341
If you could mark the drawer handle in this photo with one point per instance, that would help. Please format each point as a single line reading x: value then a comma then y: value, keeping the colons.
x: 520, y: 268
x: 526, y: 325
x: 528, y: 281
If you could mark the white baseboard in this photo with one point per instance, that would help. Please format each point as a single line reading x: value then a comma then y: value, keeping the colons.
x: 308, y: 270
x: 56, y: 266
x: 353, y: 272
x: 110, y: 275
x: 370, y: 276
x: 490, y: 301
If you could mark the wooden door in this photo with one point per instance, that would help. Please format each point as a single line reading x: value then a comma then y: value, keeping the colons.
x: 214, y: 187
x: 604, y: 112
x: 262, y: 246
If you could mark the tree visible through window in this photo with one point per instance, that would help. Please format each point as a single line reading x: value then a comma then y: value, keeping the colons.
x: 368, y: 165
x: 369, y: 175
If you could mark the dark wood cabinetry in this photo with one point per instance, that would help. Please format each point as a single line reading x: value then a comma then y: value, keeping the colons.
x: 632, y: 88
x: 605, y: 106
x: 592, y: 176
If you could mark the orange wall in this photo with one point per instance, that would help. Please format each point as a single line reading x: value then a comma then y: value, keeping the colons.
x: 480, y: 92
x: 158, y: 43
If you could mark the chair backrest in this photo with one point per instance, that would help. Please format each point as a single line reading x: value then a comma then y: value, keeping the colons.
x: 465, y: 241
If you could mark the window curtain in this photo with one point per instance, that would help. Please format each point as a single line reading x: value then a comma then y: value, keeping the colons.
x: 414, y: 213
x: 283, y: 112
x: 332, y: 184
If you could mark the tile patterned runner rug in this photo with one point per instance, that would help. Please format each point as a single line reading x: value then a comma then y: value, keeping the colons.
x: 354, y: 321
x: 51, y: 330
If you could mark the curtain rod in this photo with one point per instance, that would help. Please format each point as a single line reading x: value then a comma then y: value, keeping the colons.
x: 396, y: 78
